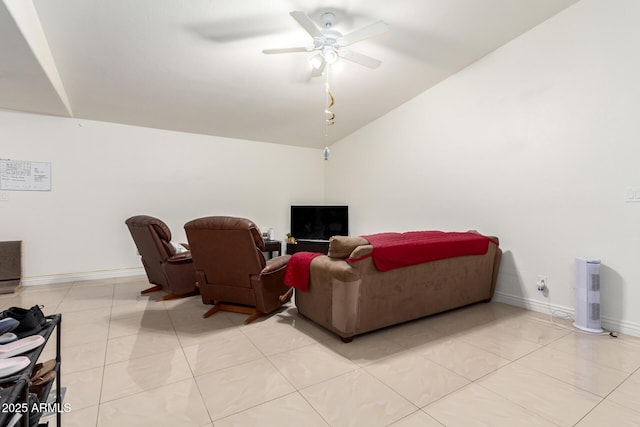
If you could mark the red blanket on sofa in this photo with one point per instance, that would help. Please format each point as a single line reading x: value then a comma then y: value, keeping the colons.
x: 297, y: 273
x: 395, y: 250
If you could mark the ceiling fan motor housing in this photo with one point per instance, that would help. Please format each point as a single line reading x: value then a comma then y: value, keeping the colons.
x: 328, y: 19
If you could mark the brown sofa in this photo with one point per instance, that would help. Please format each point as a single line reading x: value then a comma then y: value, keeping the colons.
x: 353, y: 297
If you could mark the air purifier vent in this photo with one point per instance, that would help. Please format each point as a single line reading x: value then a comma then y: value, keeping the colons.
x: 588, y: 295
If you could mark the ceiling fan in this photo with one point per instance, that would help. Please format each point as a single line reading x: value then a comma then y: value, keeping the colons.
x: 331, y: 43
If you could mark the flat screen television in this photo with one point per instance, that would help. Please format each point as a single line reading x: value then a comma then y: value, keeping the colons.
x: 319, y: 222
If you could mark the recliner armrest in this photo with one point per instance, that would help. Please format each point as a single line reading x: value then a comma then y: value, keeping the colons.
x: 181, y: 257
x: 275, y: 265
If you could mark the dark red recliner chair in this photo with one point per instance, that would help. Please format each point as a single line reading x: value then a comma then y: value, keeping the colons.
x: 169, y: 271
x: 231, y: 270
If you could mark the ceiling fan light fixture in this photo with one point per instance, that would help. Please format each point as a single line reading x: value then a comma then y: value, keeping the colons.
x: 330, y: 55
x: 316, y: 61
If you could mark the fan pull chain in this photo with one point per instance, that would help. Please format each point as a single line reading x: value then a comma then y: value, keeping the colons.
x: 329, y: 115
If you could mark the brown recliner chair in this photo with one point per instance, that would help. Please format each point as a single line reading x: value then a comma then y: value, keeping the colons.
x: 167, y: 270
x: 231, y: 270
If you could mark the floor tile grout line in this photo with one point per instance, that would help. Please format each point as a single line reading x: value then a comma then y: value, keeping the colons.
x: 191, y: 369
x: 256, y: 405
x: 602, y: 399
x: 313, y: 407
x: 513, y: 362
x: 166, y: 309
x: 365, y: 368
x: 606, y: 398
x: 488, y: 390
x: 104, y: 362
x: 296, y: 389
x: 569, y: 383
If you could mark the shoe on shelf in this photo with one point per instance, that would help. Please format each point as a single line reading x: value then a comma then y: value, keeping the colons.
x: 8, y: 324
x: 13, y: 365
x: 31, y: 320
x: 8, y: 337
x: 38, y: 385
x: 21, y: 346
x: 40, y: 369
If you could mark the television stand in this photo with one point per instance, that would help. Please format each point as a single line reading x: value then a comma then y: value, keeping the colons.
x: 321, y: 246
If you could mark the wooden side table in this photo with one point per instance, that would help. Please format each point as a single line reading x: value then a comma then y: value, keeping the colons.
x: 271, y: 246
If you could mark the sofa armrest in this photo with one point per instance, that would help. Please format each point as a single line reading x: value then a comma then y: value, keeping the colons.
x: 341, y: 246
x: 361, y: 252
x: 338, y: 269
x: 333, y: 297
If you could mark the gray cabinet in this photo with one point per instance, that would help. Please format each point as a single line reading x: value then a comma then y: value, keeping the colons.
x: 10, y: 266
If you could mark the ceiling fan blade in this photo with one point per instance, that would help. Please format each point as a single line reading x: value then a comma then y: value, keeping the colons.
x: 372, y: 30
x: 306, y: 23
x: 287, y: 50
x: 359, y: 58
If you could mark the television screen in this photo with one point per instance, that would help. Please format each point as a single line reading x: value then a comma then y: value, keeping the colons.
x: 319, y: 222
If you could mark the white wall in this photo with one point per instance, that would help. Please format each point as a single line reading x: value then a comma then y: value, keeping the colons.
x: 102, y: 173
x: 535, y: 143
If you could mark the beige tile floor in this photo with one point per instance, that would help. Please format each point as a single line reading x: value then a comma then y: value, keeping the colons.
x: 129, y: 360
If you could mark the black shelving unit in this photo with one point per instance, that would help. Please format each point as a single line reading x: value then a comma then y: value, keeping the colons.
x: 14, y: 397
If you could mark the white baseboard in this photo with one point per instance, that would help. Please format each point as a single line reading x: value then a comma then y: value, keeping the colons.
x: 81, y: 276
x: 608, y: 323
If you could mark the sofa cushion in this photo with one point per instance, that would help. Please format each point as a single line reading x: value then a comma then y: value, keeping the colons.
x: 341, y: 246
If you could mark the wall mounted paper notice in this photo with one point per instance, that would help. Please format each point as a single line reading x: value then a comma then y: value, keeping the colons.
x: 25, y: 175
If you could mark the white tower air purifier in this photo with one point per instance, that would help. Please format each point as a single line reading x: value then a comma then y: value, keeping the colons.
x: 588, y: 295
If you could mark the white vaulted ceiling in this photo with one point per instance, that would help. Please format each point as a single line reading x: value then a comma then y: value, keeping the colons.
x: 197, y: 65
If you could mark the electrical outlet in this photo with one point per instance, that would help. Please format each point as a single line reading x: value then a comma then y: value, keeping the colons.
x: 542, y: 283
